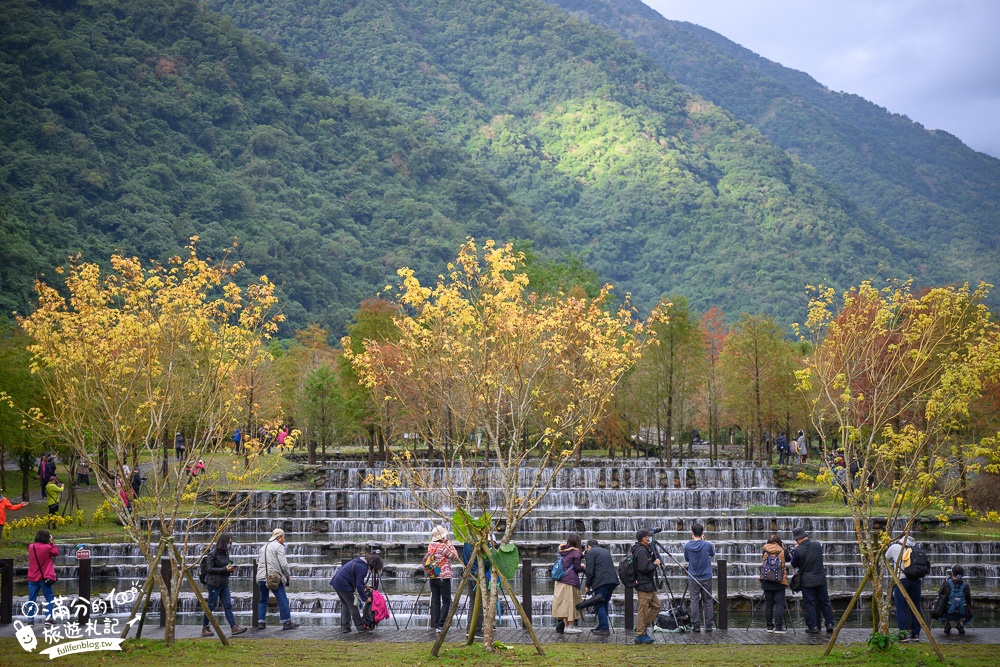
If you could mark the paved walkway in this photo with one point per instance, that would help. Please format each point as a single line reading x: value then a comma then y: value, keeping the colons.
x: 389, y: 633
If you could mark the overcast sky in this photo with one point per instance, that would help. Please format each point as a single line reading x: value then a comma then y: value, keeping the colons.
x: 936, y: 61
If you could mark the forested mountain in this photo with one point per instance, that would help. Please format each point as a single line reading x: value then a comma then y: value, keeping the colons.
x: 666, y: 192
x: 135, y: 124
x: 927, y: 185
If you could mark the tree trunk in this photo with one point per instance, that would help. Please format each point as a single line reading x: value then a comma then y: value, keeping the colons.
x: 489, y: 606
x: 26, y: 459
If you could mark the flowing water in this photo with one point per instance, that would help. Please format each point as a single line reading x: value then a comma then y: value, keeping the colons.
x: 606, y: 500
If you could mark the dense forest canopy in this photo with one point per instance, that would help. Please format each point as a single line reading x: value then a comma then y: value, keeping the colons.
x: 663, y: 191
x: 926, y: 185
x: 135, y: 125
x: 328, y: 143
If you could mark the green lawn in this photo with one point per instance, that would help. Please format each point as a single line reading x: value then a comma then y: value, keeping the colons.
x: 266, y: 652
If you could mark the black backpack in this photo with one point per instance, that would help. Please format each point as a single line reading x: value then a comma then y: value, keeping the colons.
x: 203, y: 567
x: 626, y: 570
x: 920, y: 564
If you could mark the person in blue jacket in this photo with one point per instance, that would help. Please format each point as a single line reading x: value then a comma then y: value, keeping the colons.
x: 473, y: 571
x: 698, y: 552
x: 350, y: 580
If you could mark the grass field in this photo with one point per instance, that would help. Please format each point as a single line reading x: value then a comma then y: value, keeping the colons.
x: 258, y: 653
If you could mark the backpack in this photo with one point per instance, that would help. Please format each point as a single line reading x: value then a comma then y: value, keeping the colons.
x: 673, y: 620
x: 772, y: 569
x: 626, y: 570
x: 430, y: 564
x: 558, y: 569
x: 956, y: 599
x: 380, y: 610
x: 916, y: 564
x: 203, y: 568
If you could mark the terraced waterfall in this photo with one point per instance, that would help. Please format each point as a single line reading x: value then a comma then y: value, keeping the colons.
x: 607, y: 500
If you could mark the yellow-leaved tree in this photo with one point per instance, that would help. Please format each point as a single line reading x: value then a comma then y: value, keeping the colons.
x: 488, y: 375
x: 890, y: 377
x: 136, y: 358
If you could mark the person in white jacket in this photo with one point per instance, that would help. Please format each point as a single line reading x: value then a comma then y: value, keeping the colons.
x: 272, y: 562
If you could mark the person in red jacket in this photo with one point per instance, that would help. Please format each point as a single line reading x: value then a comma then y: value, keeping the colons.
x: 5, y: 505
x: 41, y: 573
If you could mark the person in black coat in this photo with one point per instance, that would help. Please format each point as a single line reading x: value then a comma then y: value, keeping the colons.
x: 349, y: 581
x: 218, y: 568
x: 808, y: 557
x: 602, y: 579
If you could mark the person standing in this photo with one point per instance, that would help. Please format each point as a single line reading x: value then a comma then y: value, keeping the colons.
x: 272, y: 564
x: 808, y: 557
x: 646, y: 563
x: 46, y: 469
x: 901, y: 556
x: 5, y: 505
x: 82, y: 472
x: 782, y: 445
x: 698, y: 552
x: 802, y: 447
x: 348, y: 582
x: 179, y: 445
x: 567, y: 588
x: 238, y: 440
x: 602, y: 579
x: 53, y: 492
x: 442, y: 552
x: 774, y: 581
x: 41, y: 573
x: 218, y: 568
x: 473, y: 584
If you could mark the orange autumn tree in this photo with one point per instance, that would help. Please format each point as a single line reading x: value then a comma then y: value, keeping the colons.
x: 133, y: 356
x: 890, y: 376
x: 488, y: 375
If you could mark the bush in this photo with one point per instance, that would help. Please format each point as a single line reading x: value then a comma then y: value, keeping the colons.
x: 984, y: 493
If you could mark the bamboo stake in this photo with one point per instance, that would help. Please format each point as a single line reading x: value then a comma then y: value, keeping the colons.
x: 474, y: 617
x: 147, y: 591
x: 850, y: 607
x: 185, y: 572
x: 917, y: 613
x: 454, y: 607
x: 524, y: 617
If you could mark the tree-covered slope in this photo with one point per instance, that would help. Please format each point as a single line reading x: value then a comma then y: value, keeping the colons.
x: 666, y: 192
x: 135, y: 124
x: 924, y: 184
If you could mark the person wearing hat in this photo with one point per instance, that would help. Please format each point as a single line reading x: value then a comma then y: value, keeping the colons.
x: 5, y: 505
x: 646, y: 561
x: 440, y: 555
x: 272, y: 561
x: 808, y: 557
x: 179, y: 446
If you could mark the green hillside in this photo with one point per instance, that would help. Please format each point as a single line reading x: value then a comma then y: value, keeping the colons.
x: 134, y: 124
x: 663, y: 191
x: 926, y: 185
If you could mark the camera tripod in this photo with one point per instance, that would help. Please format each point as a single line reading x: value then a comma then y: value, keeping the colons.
x: 787, y: 617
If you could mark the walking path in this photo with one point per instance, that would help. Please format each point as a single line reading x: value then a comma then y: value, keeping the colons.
x: 388, y: 633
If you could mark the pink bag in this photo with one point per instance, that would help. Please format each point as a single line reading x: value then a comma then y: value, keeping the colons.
x: 379, y: 608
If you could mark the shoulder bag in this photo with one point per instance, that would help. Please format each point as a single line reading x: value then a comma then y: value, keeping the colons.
x: 272, y: 581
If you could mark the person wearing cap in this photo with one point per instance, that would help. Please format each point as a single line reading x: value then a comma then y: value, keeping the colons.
x: 350, y: 581
x: 808, y: 557
x: 272, y: 560
x: 442, y: 553
x: 5, y: 505
x: 898, y: 555
x: 646, y: 562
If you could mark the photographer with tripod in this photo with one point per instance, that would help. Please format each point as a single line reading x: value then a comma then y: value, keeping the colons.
x: 647, y: 563
x: 698, y: 552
